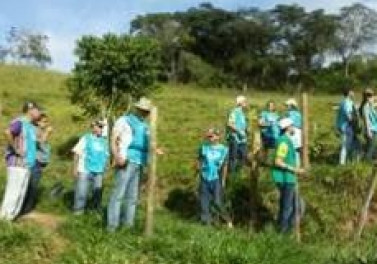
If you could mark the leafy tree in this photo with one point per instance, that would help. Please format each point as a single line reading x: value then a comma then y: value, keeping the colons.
x: 112, y: 70
x: 357, y: 27
x: 25, y: 46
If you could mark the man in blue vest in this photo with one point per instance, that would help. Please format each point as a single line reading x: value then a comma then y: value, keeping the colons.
x: 344, y: 126
x: 130, y: 147
x: 90, y: 160
x: 237, y: 135
x: 21, y: 157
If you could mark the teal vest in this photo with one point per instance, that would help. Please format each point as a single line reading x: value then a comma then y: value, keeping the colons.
x: 96, y: 153
x: 212, y: 158
x: 29, y: 136
x: 138, y: 150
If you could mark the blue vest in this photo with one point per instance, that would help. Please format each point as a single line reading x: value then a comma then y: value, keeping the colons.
x: 138, y: 150
x: 240, y: 123
x: 345, y: 110
x: 272, y: 130
x: 296, y: 117
x: 371, y: 115
x: 29, y: 135
x: 212, y: 158
x: 96, y: 153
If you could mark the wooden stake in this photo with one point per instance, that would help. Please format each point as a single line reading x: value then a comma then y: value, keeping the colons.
x: 152, y: 174
x: 305, y: 131
x: 365, y: 209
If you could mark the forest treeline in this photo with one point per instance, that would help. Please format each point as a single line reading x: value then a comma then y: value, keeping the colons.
x: 279, y: 49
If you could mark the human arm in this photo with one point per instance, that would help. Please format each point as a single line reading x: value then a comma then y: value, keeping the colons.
x: 14, y: 130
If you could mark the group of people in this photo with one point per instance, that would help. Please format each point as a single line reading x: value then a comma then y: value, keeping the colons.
x: 281, y: 139
x: 28, y: 152
x: 357, y: 127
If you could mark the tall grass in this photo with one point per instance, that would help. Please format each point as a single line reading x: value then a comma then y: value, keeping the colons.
x: 333, y: 194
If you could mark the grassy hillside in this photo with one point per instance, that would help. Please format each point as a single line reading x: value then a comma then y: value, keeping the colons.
x: 333, y: 194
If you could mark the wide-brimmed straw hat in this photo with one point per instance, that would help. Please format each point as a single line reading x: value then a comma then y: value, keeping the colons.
x: 291, y: 102
x: 144, y: 104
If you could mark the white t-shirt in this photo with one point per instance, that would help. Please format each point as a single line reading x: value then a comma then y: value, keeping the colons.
x: 123, y: 131
x: 79, y: 150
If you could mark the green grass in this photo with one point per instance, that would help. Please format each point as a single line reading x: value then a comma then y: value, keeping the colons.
x: 333, y: 194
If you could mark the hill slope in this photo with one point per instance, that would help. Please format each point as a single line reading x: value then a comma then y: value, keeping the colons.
x: 333, y: 194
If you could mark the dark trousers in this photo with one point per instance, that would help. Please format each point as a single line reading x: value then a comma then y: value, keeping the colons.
x: 210, y: 192
x: 32, y: 190
x: 287, y: 206
x: 237, y: 156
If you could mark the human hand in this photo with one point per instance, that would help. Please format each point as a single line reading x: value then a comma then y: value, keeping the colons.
x: 300, y: 171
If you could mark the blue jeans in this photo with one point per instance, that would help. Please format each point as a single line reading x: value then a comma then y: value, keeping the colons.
x: 348, y: 145
x: 210, y: 191
x: 371, y: 147
x: 32, y: 190
x: 81, y: 191
x: 124, y: 197
x: 287, y: 208
x: 237, y: 156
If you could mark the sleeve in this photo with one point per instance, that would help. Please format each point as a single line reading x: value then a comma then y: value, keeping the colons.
x: 80, y: 146
x: 232, y: 118
x: 15, y: 127
x: 282, y: 150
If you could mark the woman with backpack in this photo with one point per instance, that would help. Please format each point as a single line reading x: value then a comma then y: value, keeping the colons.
x: 369, y: 117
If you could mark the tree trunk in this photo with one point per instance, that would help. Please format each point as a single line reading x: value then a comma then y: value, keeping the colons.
x: 152, y: 175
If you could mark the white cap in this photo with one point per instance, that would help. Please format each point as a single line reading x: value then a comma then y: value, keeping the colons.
x: 240, y: 99
x: 292, y: 102
x: 285, y: 122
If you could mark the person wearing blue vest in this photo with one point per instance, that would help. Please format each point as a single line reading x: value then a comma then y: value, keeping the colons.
x: 21, y: 153
x: 269, y: 124
x: 90, y: 160
x: 212, y: 168
x: 369, y: 117
x: 344, y: 126
x: 237, y: 135
x: 130, y: 147
x: 44, y: 130
x: 294, y: 114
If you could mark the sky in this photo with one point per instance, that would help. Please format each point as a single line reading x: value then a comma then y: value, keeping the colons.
x: 64, y: 21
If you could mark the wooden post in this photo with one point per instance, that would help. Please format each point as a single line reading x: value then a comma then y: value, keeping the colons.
x: 365, y: 209
x: 152, y: 174
x: 305, y: 130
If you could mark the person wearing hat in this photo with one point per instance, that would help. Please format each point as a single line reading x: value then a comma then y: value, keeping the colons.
x: 237, y: 135
x: 21, y: 152
x: 44, y: 130
x: 344, y: 126
x: 268, y: 122
x: 369, y: 117
x: 91, y: 154
x: 212, y: 168
x: 130, y: 147
x: 284, y: 173
x: 294, y: 114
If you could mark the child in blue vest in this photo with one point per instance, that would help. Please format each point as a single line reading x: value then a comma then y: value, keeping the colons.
x: 212, y: 169
x: 91, y: 156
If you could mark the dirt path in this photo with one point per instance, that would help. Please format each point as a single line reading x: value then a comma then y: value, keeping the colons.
x: 49, y: 221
